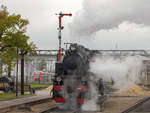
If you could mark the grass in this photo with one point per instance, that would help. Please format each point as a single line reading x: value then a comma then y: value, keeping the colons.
x: 5, y: 96
x: 38, y: 85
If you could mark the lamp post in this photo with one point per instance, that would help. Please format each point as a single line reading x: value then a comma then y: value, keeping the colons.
x: 22, y: 72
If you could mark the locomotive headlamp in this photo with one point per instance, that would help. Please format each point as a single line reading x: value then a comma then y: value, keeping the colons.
x: 58, y: 79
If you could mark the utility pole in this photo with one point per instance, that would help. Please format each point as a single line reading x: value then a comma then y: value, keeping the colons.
x: 59, y: 32
x: 17, y: 73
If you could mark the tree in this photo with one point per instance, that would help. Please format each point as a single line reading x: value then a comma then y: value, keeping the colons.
x: 13, y: 37
x: 11, y: 26
x: 41, y: 65
x: 25, y: 48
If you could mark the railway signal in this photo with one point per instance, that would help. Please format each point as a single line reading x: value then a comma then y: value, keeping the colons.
x: 60, y: 15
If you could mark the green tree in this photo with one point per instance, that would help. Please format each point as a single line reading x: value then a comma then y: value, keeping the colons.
x: 41, y: 65
x: 13, y: 37
x: 11, y: 27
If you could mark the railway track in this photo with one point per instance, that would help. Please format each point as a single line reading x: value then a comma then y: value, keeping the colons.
x: 22, y: 104
x: 49, y: 110
x: 139, y: 106
x: 57, y: 110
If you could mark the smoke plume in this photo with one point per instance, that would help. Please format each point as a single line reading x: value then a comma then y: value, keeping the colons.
x: 124, y: 72
x: 98, y: 15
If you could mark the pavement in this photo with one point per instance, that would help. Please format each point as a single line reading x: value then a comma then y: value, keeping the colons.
x: 40, y: 95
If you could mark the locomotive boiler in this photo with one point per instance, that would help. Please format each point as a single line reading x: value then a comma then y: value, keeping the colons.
x: 71, y: 84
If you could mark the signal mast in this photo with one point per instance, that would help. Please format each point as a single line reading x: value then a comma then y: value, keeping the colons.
x: 60, y: 28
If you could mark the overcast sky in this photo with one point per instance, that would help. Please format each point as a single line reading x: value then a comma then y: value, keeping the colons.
x: 123, y: 33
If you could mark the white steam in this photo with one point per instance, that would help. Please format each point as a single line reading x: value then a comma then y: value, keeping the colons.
x: 123, y: 71
x: 96, y: 15
x: 91, y: 104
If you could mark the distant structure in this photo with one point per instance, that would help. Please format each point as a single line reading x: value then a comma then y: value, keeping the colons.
x: 50, y: 57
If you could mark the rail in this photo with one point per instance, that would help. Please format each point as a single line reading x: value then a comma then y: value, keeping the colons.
x: 140, y: 102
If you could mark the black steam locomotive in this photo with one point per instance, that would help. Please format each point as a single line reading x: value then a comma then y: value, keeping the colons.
x: 72, y: 79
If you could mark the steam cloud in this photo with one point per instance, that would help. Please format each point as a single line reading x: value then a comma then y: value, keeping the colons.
x: 107, y: 14
x: 124, y: 71
x: 91, y: 104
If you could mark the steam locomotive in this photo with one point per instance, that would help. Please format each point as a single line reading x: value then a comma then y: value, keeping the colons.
x: 72, y: 81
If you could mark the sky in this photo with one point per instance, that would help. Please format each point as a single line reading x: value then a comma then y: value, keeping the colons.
x: 96, y: 24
